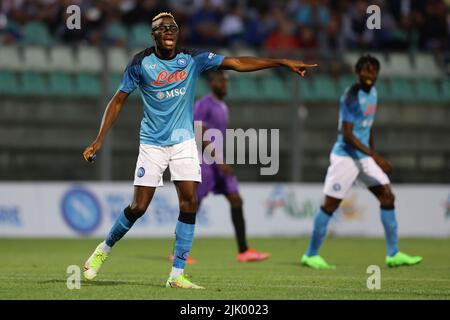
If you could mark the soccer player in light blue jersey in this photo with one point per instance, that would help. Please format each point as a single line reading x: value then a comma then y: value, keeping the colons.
x: 166, y: 76
x: 353, y: 157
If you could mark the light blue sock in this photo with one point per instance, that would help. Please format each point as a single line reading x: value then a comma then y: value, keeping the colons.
x: 184, y: 234
x: 390, y: 230
x: 118, y: 230
x: 320, y: 230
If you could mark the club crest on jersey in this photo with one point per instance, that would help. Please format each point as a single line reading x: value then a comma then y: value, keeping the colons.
x: 171, y: 93
x: 181, y: 62
x: 164, y: 77
x: 160, y: 95
x: 371, y: 108
x: 140, y: 172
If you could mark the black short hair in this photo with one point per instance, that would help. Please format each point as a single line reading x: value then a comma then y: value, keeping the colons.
x: 367, y: 59
x: 210, y: 75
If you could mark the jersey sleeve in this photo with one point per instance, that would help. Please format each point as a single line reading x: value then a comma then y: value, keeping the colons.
x: 207, y: 60
x: 131, y: 77
x: 349, y: 107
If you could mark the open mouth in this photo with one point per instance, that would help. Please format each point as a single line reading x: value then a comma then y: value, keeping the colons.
x: 168, y: 42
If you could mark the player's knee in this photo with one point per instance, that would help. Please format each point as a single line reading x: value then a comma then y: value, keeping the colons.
x: 387, y: 199
x: 236, y: 202
x: 329, y: 208
x: 189, y: 204
x: 137, y: 210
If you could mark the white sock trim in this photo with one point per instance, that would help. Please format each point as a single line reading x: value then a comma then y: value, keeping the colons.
x: 176, y: 272
x: 105, y: 247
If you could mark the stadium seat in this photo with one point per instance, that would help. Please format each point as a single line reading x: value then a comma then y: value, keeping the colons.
x: 33, y: 84
x: 445, y: 90
x: 117, y: 59
x: 383, y: 93
x: 275, y: 88
x: 113, y: 85
x: 12, y: 29
x: 401, y: 90
x: 61, y: 84
x: 324, y: 88
x: 248, y: 88
x: 114, y: 82
x: 426, y: 91
x: 36, y: 33
x: 399, y: 65
x: 10, y: 58
x: 89, y: 59
x: 350, y: 58
x: 8, y: 83
x: 140, y: 36
x: 307, y: 93
x: 35, y: 59
x: 87, y: 85
x: 115, y: 31
x: 62, y: 59
x: 425, y: 66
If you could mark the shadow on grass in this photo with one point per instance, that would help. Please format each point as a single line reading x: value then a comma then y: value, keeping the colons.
x: 153, y: 258
x: 101, y: 283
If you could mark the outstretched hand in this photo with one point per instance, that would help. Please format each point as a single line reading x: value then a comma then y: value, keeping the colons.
x: 299, y: 67
x: 90, y: 151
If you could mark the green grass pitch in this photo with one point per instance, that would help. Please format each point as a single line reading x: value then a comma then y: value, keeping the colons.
x: 138, y: 269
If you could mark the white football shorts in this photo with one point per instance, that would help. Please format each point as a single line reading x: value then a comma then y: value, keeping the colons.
x: 182, y: 159
x: 344, y: 171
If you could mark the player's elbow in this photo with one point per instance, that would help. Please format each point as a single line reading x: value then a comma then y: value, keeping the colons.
x: 348, y: 138
x: 235, y: 64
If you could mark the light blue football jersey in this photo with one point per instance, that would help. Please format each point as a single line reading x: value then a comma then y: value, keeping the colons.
x: 167, y: 89
x: 357, y: 107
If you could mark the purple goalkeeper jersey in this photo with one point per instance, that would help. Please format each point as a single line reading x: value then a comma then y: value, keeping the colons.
x: 212, y: 112
x: 214, y: 115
